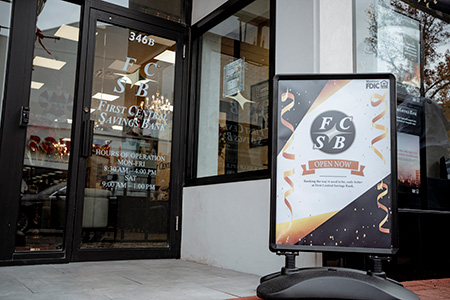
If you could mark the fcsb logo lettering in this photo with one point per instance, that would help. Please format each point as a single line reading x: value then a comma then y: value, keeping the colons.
x: 332, y: 132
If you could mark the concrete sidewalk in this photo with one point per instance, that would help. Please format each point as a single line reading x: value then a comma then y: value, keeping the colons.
x: 164, y: 279
x: 131, y: 279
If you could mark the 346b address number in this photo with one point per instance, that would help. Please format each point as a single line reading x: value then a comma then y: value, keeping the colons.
x: 144, y: 39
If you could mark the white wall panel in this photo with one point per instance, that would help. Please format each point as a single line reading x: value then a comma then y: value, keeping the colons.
x: 227, y: 225
x: 336, y: 36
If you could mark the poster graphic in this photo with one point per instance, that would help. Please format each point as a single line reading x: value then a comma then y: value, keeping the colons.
x: 409, y: 161
x: 409, y: 127
x: 233, y: 77
x: 334, y: 168
x: 389, y: 41
x: 398, y: 48
x: 259, y: 114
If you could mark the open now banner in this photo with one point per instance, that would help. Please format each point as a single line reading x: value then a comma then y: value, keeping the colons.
x: 334, y: 170
x: 354, y: 166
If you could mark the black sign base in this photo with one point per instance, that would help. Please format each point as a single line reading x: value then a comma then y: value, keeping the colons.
x: 331, y: 283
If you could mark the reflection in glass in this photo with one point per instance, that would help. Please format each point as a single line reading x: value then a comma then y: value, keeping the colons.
x: 126, y: 201
x: 168, y: 9
x: 234, y: 94
x: 5, y: 18
x: 413, y: 44
x: 41, y: 220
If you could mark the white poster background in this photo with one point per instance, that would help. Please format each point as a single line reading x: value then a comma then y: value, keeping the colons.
x: 306, y: 200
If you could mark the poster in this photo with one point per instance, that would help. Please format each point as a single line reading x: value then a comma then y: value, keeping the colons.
x: 389, y: 41
x: 409, y: 131
x: 334, y: 180
x: 233, y: 77
x: 259, y: 115
x: 398, y: 47
x: 409, y: 161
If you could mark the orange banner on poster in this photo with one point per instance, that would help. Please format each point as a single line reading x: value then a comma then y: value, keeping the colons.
x: 354, y: 166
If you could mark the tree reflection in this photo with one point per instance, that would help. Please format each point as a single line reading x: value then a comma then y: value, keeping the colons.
x: 432, y: 74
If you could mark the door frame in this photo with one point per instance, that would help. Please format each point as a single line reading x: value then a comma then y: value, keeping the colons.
x: 16, y: 95
x: 117, y: 18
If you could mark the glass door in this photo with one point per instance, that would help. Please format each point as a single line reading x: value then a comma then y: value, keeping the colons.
x: 41, y: 223
x: 128, y: 194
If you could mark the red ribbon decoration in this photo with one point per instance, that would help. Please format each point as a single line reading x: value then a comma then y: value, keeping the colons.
x: 40, y: 36
x: 380, y: 186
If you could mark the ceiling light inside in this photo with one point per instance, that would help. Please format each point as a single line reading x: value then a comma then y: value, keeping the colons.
x: 120, y: 64
x: 68, y: 32
x: 36, y: 85
x: 162, y: 41
x: 48, y: 63
x: 167, y: 56
x: 106, y: 97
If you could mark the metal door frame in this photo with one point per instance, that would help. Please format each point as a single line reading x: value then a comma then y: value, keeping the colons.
x: 110, y: 16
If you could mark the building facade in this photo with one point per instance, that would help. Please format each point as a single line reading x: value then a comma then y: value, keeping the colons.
x: 141, y: 129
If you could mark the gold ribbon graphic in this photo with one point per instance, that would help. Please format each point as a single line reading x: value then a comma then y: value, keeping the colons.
x: 381, y: 186
x: 288, y: 107
x: 290, y: 156
x: 285, y: 109
x: 379, y: 99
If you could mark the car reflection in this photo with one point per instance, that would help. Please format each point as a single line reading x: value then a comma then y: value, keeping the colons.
x: 54, y: 192
x: 44, y: 211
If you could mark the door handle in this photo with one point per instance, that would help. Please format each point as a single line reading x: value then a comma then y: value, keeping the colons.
x: 88, y: 137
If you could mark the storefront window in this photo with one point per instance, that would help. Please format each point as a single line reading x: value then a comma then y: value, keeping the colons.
x: 168, y: 9
x: 234, y: 94
x: 5, y: 18
x: 42, y: 216
x: 414, y: 45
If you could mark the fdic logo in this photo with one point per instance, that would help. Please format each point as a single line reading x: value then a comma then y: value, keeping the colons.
x: 376, y: 84
x: 332, y: 132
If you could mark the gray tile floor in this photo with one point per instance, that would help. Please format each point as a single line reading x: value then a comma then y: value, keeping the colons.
x: 132, y: 279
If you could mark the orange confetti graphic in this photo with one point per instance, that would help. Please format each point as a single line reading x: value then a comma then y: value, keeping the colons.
x: 301, y: 227
x: 376, y: 100
x: 382, y: 186
x: 329, y: 90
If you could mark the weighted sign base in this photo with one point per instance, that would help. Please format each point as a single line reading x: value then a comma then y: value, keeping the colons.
x: 330, y: 283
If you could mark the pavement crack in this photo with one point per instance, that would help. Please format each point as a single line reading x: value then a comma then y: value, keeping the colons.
x: 25, y: 286
x: 130, y: 279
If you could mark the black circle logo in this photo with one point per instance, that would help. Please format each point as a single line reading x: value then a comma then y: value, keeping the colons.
x: 332, y: 132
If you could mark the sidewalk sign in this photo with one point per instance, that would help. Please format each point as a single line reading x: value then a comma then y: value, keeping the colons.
x: 334, y: 164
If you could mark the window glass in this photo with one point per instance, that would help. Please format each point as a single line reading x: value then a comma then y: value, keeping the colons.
x: 234, y: 94
x: 127, y: 192
x: 5, y: 19
x: 41, y: 220
x: 414, y: 45
x: 167, y: 9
